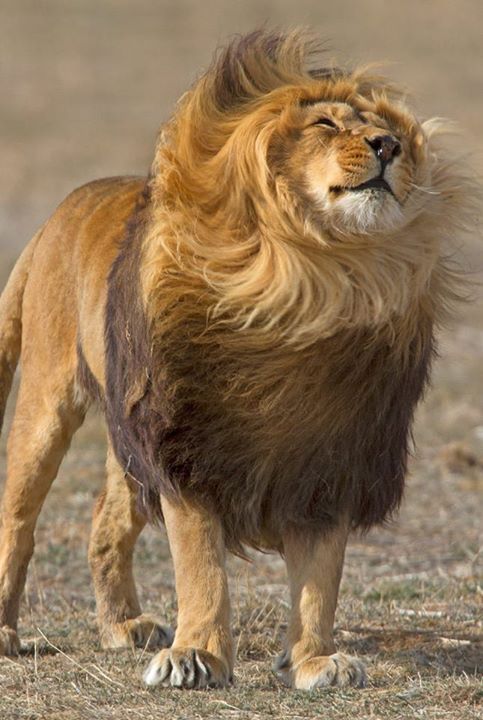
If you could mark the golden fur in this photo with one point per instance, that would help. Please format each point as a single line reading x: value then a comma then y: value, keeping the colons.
x: 256, y: 320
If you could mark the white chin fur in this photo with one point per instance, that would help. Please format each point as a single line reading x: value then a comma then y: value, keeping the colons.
x: 366, y: 211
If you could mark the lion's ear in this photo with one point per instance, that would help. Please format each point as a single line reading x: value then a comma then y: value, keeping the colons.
x: 136, y: 391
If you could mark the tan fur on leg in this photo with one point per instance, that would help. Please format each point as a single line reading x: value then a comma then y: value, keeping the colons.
x: 202, y: 652
x: 41, y: 432
x: 9, y: 642
x: 115, y: 529
x: 314, y: 567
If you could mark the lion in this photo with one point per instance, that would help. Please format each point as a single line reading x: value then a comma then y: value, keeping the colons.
x: 256, y: 320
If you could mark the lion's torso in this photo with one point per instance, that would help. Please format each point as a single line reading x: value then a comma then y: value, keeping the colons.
x: 261, y: 433
x: 270, y: 436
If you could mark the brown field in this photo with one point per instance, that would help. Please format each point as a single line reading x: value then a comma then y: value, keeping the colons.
x: 84, y: 86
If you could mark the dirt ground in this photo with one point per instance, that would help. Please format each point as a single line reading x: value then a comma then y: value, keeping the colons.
x: 84, y: 86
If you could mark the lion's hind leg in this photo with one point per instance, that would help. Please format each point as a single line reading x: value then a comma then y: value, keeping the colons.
x: 46, y: 416
x: 314, y: 568
x: 115, y: 529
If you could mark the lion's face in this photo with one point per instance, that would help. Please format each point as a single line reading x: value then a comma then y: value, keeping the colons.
x: 353, y: 165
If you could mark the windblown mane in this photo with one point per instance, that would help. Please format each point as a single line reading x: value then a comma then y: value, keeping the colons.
x: 272, y: 367
x: 222, y: 218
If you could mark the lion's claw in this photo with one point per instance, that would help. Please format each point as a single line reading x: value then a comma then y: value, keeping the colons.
x: 143, y: 631
x: 186, y: 668
x: 324, y: 671
x: 9, y: 642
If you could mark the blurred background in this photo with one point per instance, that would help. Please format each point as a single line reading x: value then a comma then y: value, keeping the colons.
x: 84, y: 87
x: 85, y: 84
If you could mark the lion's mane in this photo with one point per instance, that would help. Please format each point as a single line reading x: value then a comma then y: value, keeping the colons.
x: 252, y: 360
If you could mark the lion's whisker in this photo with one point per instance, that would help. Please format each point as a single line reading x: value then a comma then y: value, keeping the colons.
x: 428, y: 191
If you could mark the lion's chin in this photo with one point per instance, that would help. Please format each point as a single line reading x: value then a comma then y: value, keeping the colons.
x: 366, y: 211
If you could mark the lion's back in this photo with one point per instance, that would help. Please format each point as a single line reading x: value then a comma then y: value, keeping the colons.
x: 66, y: 289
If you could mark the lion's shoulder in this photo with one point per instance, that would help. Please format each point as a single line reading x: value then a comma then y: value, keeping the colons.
x: 95, y: 191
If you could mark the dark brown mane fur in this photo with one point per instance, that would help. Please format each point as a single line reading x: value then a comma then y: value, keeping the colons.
x: 236, y: 72
x: 169, y: 443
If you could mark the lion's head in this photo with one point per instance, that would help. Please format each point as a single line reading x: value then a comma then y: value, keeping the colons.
x: 353, y: 163
x: 301, y: 199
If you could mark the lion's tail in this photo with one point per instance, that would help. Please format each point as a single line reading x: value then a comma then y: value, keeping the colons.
x: 11, y: 322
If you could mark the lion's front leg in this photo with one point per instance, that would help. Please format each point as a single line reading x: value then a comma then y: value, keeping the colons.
x: 115, y: 529
x: 314, y: 566
x: 202, y: 652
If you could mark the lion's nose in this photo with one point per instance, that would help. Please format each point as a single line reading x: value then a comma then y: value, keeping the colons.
x: 385, y: 147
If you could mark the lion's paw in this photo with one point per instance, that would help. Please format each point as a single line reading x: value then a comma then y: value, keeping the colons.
x: 187, y: 668
x: 9, y: 642
x: 143, y: 631
x: 324, y: 671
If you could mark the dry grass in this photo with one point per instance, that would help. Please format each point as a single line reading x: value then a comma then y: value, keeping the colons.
x: 87, y: 85
x: 409, y: 605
